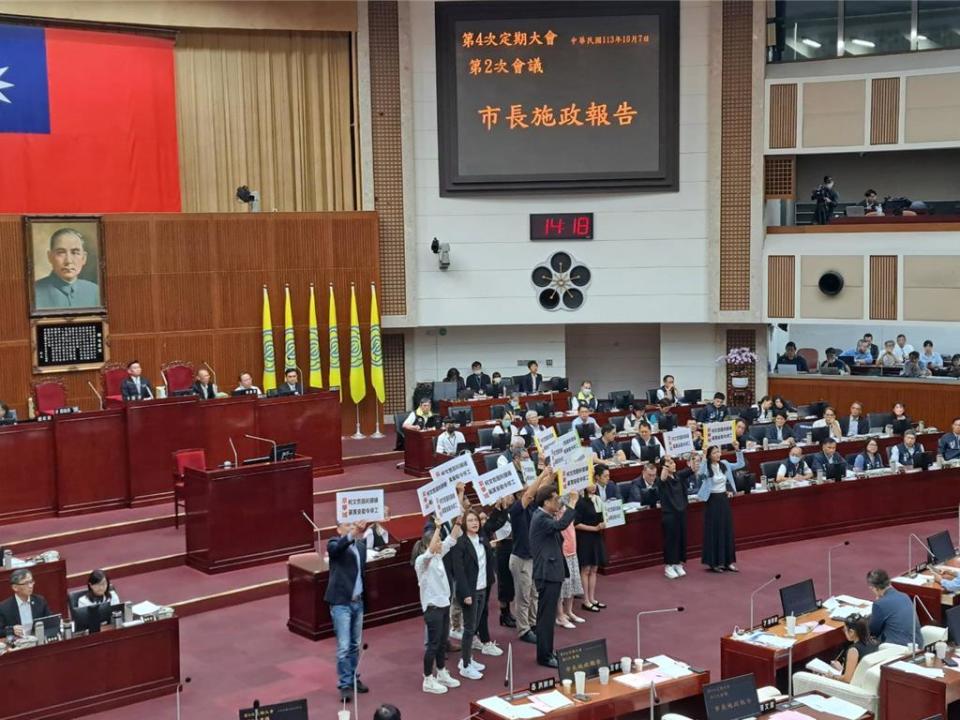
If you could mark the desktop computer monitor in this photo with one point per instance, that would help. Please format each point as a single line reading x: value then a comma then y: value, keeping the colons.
x: 543, y: 408
x: 901, y: 426
x: 466, y: 447
x: 604, y: 406
x: 941, y: 547
x: 923, y: 460
x: 444, y: 391
x: 500, y: 441
x: 819, y: 434
x: 952, y: 617
x: 692, y: 397
x: 284, y: 451
x: 461, y: 415
x: 559, y: 384
x: 835, y: 471
x: 649, y: 453
x: 667, y: 422
x: 798, y: 599
x: 585, y: 431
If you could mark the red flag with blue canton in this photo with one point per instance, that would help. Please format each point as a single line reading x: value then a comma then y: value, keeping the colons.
x: 87, y: 122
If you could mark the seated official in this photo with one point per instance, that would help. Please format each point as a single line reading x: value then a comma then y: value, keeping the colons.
x: 694, y: 427
x: 418, y: 419
x: 584, y: 397
x: 6, y: 414
x: 496, y: 388
x: 912, y: 367
x: 99, y: 590
x: 531, y: 382
x: 135, y: 386
x: 645, y: 440
x: 953, y: 370
x: 870, y: 458
x: 202, y: 387
x: 604, y: 447
x: 656, y: 415
x: 779, y: 432
x: 903, y: 348
x: 606, y: 490
x: 453, y: 375
x: 861, y: 353
x: 633, y: 418
x: 762, y: 411
x: 928, y: 358
x: 871, y: 206
x: 781, y: 405
x: 904, y: 452
x: 893, y: 618
x: 833, y: 361
x: 855, y: 423
x: 859, y: 645
x: 477, y: 380
x: 376, y: 536
x: 643, y: 489
x: 531, y: 426
x: 888, y: 358
x: 669, y: 391
x: 948, y: 578
x: 18, y: 613
x: 792, y: 357
x: 246, y: 384
x: 874, y: 350
x: 716, y: 411
x: 795, y: 467
x: 505, y: 425
x: 516, y: 452
x: 448, y: 440
x: 949, y: 443
x: 899, y: 412
x: 827, y: 456
x: 829, y: 420
x: 583, y: 419
x: 741, y: 436
x: 291, y: 383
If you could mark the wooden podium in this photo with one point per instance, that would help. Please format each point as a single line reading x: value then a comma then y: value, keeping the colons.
x: 248, y: 515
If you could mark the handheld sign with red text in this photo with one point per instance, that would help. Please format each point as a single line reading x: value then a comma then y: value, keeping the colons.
x: 493, y: 485
x: 360, y: 506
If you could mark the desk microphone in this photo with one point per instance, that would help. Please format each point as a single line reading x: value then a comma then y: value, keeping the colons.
x: 236, y: 458
x: 754, y: 594
x: 267, y: 440
x: 830, y: 566
x: 100, y: 398
x: 256, y: 710
x: 913, y: 640
x: 911, y: 537
x: 652, y: 612
x: 179, y: 690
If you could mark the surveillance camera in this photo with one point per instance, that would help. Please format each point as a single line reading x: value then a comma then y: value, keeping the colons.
x: 435, y: 247
x: 444, y: 259
x: 249, y: 197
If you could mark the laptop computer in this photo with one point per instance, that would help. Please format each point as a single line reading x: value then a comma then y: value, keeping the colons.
x: 856, y: 211
x: 786, y: 369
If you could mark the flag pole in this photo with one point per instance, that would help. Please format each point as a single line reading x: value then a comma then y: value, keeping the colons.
x: 376, y: 433
x: 358, y: 435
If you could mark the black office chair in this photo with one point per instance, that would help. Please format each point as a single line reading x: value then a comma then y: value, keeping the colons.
x: 398, y: 419
x: 624, y: 445
x: 73, y: 597
x: 617, y: 422
x: 652, y: 396
x: 624, y: 487
x: 771, y: 467
x: 490, y: 462
x: 497, y: 411
x: 851, y: 459
x: 485, y: 436
x: 564, y: 427
x: 878, y: 421
x: 757, y: 433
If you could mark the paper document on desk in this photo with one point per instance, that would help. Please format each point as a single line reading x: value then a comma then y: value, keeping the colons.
x: 819, y: 666
x: 790, y: 715
x: 145, y: 608
x: 549, y: 701
x: 641, y: 680
x: 850, y: 600
x: 775, y: 641
x: 670, y: 667
x: 909, y: 667
x: 845, y: 611
x: 919, y: 580
x: 504, y: 709
x: 833, y: 705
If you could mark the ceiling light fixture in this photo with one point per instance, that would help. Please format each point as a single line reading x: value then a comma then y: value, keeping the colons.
x: 811, y: 43
x: 863, y: 43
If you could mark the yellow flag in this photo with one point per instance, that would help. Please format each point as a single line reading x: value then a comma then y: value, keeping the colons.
x: 358, y: 384
x: 334, y: 371
x: 269, y: 355
x: 313, y: 337
x: 289, y: 346
x: 376, y: 348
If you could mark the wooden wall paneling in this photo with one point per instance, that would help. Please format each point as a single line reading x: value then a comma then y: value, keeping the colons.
x: 885, y: 111
x: 780, y: 177
x: 394, y: 373
x: 781, y: 285
x: 883, y: 287
x: 783, y: 115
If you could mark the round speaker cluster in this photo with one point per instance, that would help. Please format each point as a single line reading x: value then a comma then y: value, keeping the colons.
x: 560, y: 282
x: 830, y: 283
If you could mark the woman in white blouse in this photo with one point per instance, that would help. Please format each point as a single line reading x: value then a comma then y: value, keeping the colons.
x: 99, y: 590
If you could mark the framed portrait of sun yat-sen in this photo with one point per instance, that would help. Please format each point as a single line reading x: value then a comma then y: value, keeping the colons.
x: 65, y: 265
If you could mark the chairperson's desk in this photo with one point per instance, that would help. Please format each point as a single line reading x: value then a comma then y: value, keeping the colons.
x: 84, y: 675
x: 786, y: 515
x: 248, y: 515
x: 121, y: 457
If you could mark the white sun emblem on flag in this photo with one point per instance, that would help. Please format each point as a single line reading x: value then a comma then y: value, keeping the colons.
x: 4, y: 85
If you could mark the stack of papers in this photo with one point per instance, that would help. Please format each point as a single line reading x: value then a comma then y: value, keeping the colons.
x: 774, y: 641
x: 819, y: 666
x: 641, y: 680
x: 790, y: 715
x: 850, y: 600
x: 833, y: 705
x: 670, y: 667
x: 550, y: 701
x: 504, y: 709
x: 918, y: 580
x: 909, y: 667
x: 845, y: 611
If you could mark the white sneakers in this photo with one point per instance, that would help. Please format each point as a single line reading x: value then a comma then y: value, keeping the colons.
x: 456, y: 634
x: 432, y: 685
x: 479, y: 666
x: 674, y: 571
x: 491, y: 648
x: 470, y: 672
x: 446, y: 679
x: 477, y: 643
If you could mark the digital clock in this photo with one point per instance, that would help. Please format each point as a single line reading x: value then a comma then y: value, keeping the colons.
x: 561, y: 226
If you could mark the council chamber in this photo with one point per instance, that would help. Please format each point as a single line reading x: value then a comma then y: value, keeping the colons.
x: 480, y: 359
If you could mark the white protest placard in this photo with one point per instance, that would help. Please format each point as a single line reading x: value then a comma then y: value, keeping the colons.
x: 456, y: 470
x: 613, y: 513
x: 426, y: 493
x: 568, y: 451
x: 545, y: 440
x: 437, y: 496
x: 493, y: 485
x: 719, y: 433
x: 576, y: 476
x: 360, y: 505
x: 529, y: 471
x: 678, y: 442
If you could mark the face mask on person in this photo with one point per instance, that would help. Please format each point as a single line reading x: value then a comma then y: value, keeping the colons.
x: 588, y: 391
x: 477, y: 372
x: 795, y: 460
x: 505, y: 422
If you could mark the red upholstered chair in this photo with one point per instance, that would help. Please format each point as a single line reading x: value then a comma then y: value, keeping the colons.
x: 112, y: 376
x: 49, y: 395
x: 811, y: 356
x: 183, y: 459
x: 177, y: 375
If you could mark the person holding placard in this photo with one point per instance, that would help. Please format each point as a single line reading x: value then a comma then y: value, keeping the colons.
x: 347, y: 558
x: 500, y: 534
x: 591, y: 550
x: 646, y: 440
x: 717, y: 486
x: 473, y: 570
x: 672, y: 491
x: 521, y: 559
x: 435, y: 601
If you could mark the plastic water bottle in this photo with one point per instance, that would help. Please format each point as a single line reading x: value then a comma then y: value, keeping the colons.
x: 766, y: 442
x: 7, y: 558
x: 39, y: 633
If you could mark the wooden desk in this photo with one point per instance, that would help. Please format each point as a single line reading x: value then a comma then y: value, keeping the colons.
x: 931, y: 595
x: 815, y: 714
x: 480, y: 405
x: 50, y: 583
x: 905, y: 696
x: 615, y: 700
x: 248, y: 515
x: 769, y: 665
x: 86, y: 675
x: 29, y: 471
x: 933, y: 400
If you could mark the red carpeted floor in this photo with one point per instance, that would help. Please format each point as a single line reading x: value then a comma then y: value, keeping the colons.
x: 245, y: 652
x: 369, y: 445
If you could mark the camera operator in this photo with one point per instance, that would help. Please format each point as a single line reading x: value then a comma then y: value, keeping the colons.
x: 826, y: 198
x: 871, y: 203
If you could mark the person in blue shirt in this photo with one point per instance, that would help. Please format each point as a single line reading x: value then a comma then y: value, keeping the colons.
x: 870, y: 458
x: 928, y: 358
x: 949, y: 443
x: 862, y: 354
x: 893, y: 619
x: 948, y: 579
x: 604, y: 448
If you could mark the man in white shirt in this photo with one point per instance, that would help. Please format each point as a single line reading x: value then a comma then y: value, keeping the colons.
x: 246, y: 385
x: 435, y: 601
x: 646, y: 439
x: 902, y: 350
x: 583, y: 418
x: 18, y: 613
x: 448, y: 440
x: 514, y: 453
x: 928, y: 358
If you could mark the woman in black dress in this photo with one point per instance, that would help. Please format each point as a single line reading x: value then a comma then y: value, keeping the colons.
x: 591, y: 552
x: 672, y: 492
x: 859, y: 644
x: 717, y: 486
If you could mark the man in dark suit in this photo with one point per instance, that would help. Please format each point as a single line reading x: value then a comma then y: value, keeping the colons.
x: 477, y: 380
x: 135, y: 386
x: 22, y: 610
x: 347, y: 553
x: 202, y: 387
x: 291, y: 383
x: 531, y: 383
x: 715, y: 411
x: 855, y: 423
x: 828, y: 455
x: 779, y: 431
x: 643, y: 489
x: 606, y: 489
x: 549, y: 566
